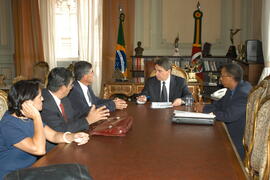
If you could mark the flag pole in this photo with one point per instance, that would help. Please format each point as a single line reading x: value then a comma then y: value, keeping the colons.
x: 120, y: 57
x: 197, y: 42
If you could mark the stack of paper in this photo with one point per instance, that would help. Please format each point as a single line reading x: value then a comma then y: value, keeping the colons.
x: 161, y: 105
x: 193, y: 117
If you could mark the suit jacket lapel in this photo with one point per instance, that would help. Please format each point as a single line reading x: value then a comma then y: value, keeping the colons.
x: 157, y: 89
x: 51, y: 102
x: 79, y: 89
x: 172, y: 86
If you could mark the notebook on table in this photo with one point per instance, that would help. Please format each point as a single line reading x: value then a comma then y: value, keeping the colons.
x: 184, y: 117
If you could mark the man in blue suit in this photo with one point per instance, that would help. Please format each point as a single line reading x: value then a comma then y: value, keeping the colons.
x: 231, y: 108
x: 164, y: 87
x: 82, y: 96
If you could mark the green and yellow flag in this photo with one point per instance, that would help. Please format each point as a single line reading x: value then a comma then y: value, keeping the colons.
x: 120, y: 57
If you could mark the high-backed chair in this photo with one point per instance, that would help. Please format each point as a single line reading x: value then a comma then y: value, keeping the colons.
x: 41, y: 71
x: 259, y: 159
x: 18, y: 78
x: 254, y: 99
x: 3, y: 103
x: 177, y: 71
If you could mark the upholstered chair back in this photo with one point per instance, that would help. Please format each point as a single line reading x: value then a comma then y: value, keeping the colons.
x: 254, y: 99
x: 41, y: 71
x: 177, y: 71
x: 260, y: 151
x: 18, y: 78
x: 3, y: 103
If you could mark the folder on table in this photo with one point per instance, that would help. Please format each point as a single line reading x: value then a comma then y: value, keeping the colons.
x: 184, y: 117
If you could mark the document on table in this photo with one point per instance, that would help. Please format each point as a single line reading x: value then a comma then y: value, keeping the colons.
x: 186, y: 114
x: 161, y: 105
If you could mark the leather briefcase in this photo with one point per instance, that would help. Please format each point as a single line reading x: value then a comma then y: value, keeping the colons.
x: 52, y: 172
x: 116, y: 126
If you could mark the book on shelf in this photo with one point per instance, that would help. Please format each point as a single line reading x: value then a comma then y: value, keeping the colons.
x: 137, y: 73
x: 138, y: 79
x: 138, y: 64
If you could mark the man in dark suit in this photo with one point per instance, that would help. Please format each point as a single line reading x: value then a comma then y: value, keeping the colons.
x: 57, y: 111
x: 82, y: 96
x: 164, y: 87
x: 231, y: 108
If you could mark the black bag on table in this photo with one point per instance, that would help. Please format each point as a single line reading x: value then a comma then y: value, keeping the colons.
x: 52, y: 172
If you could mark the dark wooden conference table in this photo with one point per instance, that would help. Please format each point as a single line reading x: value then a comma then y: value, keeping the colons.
x: 154, y: 148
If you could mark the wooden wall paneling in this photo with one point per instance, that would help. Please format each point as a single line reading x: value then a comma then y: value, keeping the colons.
x: 110, y: 33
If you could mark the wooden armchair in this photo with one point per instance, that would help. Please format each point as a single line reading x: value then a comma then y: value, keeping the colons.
x: 177, y: 71
x: 259, y: 159
x: 3, y: 103
x: 41, y: 71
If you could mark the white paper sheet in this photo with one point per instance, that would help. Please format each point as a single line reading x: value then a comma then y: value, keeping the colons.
x: 178, y: 113
x: 161, y: 105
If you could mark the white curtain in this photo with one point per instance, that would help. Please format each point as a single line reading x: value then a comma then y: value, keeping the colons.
x: 90, y: 37
x: 47, y: 21
x: 266, y: 38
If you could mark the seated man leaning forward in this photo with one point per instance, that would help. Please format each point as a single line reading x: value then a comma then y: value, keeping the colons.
x: 57, y: 111
x: 231, y: 108
x: 82, y: 96
x: 23, y: 135
x: 164, y: 87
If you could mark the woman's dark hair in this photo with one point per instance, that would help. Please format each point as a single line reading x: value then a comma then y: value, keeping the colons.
x: 20, y: 92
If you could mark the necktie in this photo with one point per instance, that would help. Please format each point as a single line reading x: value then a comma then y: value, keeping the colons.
x: 63, y: 111
x: 89, y: 96
x: 163, y: 93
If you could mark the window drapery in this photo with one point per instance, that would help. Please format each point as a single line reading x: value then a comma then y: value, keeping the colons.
x: 90, y: 37
x: 89, y: 32
x: 48, y: 32
x: 27, y: 35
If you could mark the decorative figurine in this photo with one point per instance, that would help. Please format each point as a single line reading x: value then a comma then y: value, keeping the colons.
x: 232, y: 49
x: 241, y: 52
x: 176, y: 46
x: 191, y: 73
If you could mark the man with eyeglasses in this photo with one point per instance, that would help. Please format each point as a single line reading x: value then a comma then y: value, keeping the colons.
x: 57, y: 111
x: 82, y: 96
x: 231, y: 108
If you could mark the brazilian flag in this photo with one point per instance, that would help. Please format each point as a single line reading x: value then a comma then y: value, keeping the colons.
x: 120, y: 57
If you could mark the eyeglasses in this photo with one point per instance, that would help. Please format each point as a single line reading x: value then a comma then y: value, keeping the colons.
x: 91, y: 71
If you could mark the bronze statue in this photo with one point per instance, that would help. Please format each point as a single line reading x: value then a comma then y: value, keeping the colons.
x: 232, y: 33
x: 176, y: 46
x: 139, y: 49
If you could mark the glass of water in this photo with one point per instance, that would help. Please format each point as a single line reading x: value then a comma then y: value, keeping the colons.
x: 189, y: 100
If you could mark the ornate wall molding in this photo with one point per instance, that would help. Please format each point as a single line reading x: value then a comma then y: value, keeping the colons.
x: 153, y: 24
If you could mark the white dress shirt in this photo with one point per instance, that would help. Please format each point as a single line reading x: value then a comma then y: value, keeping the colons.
x: 85, y: 90
x: 57, y: 101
